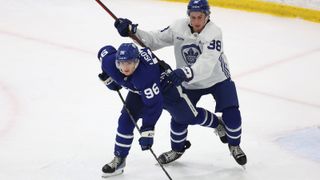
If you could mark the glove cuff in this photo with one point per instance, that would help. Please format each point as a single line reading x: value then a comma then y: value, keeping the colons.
x: 133, y: 28
x: 105, y: 78
x: 108, y: 81
x: 147, y: 134
x: 188, y: 72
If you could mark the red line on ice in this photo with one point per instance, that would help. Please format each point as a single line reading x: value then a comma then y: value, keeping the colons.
x: 273, y: 64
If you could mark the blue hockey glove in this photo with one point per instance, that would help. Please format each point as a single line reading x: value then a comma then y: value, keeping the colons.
x: 108, y: 81
x: 181, y: 74
x: 125, y: 26
x: 146, y: 139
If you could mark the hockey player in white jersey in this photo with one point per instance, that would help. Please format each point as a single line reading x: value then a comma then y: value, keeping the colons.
x: 202, y: 67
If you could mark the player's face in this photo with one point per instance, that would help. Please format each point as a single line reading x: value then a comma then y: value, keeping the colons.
x: 127, y: 67
x: 198, y: 20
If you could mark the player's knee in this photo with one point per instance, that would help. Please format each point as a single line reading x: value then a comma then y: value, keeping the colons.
x: 232, y: 117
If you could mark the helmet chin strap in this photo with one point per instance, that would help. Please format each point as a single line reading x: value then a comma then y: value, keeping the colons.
x: 207, y: 19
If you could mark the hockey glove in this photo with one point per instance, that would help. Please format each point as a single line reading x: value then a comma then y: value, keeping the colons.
x: 125, y: 26
x: 108, y: 81
x: 146, y: 139
x: 181, y: 74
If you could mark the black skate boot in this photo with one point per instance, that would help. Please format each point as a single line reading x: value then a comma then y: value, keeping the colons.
x: 221, y: 131
x: 238, y: 155
x: 172, y: 155
x: 115, y: 167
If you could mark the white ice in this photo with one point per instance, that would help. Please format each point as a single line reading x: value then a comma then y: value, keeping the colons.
x: 58, y: 121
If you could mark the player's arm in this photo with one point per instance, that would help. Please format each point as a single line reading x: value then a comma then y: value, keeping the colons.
x: 110, y: 74
x: 109, y: 71
x: 153, y: 39
x: 156, y: 39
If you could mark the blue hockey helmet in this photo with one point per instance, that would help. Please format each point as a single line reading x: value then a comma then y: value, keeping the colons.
x: 127, y: 52
x: 198, y: 6
x: 105, y: 52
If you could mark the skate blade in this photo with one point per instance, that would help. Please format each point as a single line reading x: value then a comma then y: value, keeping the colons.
x: 117, y: 172
x: 244, y: 167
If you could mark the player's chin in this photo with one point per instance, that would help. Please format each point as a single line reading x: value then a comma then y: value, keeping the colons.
x: 128, y: 73
x: 197, y: 28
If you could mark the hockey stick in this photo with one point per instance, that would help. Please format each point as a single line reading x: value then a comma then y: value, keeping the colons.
x: 136, y: 125
x: 134, y: 37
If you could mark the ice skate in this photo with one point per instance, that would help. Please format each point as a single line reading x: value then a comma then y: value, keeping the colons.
x: 172, y: 155
x: 221, y: 131
x: 169, y: 156
x: 238, y: 155
x: 115, y: 167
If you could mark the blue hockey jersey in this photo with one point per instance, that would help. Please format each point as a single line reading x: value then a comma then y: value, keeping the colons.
x: 144, y: 81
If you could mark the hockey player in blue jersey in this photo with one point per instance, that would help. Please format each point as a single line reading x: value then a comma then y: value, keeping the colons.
x: 202, y: 67
x: 150, y: 91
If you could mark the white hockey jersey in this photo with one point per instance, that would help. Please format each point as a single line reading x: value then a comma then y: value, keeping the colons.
x: 202, y: 52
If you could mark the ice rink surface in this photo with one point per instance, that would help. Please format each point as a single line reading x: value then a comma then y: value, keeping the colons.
x: 58, y: 121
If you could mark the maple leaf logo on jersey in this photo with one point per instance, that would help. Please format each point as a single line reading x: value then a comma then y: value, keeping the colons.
x: 190, y: 53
